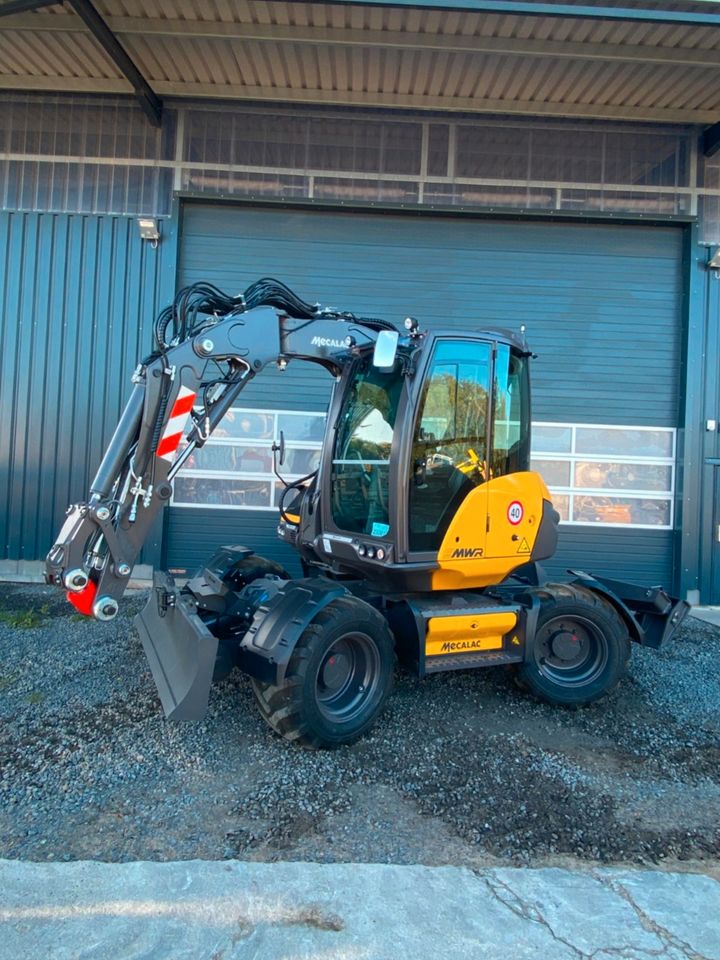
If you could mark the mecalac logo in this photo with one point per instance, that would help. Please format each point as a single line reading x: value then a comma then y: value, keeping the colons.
x: 327, y: 342
x: 464, y: 553
x: 455, y: 646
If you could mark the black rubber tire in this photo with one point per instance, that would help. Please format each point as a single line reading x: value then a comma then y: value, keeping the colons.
x: 572, y: 616
x: 299, y: 709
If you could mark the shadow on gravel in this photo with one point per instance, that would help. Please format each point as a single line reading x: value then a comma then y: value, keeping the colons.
x: 462, y: 768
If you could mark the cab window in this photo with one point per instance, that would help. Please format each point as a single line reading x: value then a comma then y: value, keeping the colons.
x: 450, y: 441
x: 361, y: 458
x: 511, y: 418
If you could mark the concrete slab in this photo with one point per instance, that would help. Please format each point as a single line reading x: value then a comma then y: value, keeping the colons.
x: 287, y: 911
x: 708, y: 614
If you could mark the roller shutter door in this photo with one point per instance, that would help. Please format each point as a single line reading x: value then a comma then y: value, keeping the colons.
x: 601, y: 304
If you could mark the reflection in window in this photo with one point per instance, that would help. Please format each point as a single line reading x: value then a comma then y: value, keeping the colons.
x: 301, y: 426
x: 635, y: 511
x: 361, y: 459
x: 623, y: 476
x: 551, y: 439
x: 555, y: 473
x: 627, y: 441
x: 611, y: 475
x: 561, y: 502
x: 235, y: 467
x: 449, y: 454
x: 221, y: 492
x: 246, y: 425
x: 511, y: 417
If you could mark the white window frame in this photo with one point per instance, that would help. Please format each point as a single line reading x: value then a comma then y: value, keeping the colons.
x: 573, y: 457
x: 254, y: 475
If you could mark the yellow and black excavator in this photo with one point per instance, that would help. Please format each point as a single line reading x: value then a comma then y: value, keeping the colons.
x: 420, y: 533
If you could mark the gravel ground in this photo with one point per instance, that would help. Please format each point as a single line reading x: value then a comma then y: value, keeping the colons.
x: 462, y: 769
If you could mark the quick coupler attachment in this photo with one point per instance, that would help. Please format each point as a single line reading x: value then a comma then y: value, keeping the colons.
x: 180, y: 649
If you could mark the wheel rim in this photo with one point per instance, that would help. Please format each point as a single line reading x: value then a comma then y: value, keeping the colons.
x: 348, y: 677
x: 570, y: 651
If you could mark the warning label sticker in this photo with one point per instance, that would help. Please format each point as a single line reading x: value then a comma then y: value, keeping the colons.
x: 524, y: 546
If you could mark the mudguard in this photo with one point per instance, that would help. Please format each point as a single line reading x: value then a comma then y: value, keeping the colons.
x: 266, y: 648
x: 652, y: 615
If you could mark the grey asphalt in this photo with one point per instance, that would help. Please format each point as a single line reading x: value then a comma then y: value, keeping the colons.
x: 286, y: 911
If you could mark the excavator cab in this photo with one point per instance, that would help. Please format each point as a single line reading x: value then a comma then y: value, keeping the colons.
x: 419, y: 533
x: 424, y: 482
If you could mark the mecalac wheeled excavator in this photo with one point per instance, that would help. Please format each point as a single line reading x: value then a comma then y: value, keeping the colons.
x: 419, y: 534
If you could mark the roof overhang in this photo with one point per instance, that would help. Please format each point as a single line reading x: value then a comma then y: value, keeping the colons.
x: 642, y: 62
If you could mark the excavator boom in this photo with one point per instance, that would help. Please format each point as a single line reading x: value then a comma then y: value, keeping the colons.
x: 180, y: 394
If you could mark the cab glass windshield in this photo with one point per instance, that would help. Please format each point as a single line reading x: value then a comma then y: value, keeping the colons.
x: 361, y: 458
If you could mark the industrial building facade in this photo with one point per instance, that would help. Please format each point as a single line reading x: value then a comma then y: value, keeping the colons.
x: 596, y: 234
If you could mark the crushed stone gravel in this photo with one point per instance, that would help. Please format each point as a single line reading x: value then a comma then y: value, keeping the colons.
x: 462, y: 768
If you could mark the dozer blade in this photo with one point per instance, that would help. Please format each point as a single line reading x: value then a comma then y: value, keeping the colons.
x: 180, y: 649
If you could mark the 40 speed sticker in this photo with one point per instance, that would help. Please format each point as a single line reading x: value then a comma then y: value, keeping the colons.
x: 515, y: 513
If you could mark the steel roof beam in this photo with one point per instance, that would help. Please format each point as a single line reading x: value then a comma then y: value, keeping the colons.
x: 10, y: 7
x: 711, y: 140
x: 388, y: 39
x: 516, y: 7
x: 350, y: 98
x: 525, y: 8
x: 146, y: 96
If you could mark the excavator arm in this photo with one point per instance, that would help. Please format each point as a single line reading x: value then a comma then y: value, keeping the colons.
x: 181, y: 393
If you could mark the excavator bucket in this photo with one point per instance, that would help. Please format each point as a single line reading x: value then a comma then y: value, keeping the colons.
x: 180, y: 649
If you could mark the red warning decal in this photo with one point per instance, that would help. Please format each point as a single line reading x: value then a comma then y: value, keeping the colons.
x: 173, y: 432
x: 515, y: 513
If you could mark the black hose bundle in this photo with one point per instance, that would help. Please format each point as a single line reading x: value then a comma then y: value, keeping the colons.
x: 197, y: 300
x: 273, y: 293
x: 200, y: 303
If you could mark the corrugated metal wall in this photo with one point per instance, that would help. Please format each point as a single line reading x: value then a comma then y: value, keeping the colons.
x: 643, y: 556
x: 710, y: 507
x: 601, y: 302
x: 78, y: 296
x: 602, y: 305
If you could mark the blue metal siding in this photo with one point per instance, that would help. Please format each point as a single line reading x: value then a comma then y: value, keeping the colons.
x: 79, y: 295
x: 193, y: 535
x: 601, y: 303
x: 709, y: 479
x: 602, y: 306
x: 641, y: 556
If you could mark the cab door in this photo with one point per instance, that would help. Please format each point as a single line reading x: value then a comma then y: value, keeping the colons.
x: 449, y: 455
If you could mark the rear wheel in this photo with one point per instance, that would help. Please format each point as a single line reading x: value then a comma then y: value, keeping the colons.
x: 337, y: 680
x: 580, y: 650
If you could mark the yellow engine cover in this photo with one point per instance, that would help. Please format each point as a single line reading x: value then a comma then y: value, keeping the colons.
x: 493, y: 532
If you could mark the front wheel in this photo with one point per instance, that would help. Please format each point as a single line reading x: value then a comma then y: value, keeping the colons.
x: 580, y: 650
x: 337, y: 680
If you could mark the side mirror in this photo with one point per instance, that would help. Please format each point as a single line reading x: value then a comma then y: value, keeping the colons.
x: 385, y: 349
x: 278, y: 450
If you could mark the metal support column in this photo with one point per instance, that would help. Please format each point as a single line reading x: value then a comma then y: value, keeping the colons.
x: 692, y: 424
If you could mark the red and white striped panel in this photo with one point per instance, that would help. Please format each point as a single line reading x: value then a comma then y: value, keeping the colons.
x: 173, y: 433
